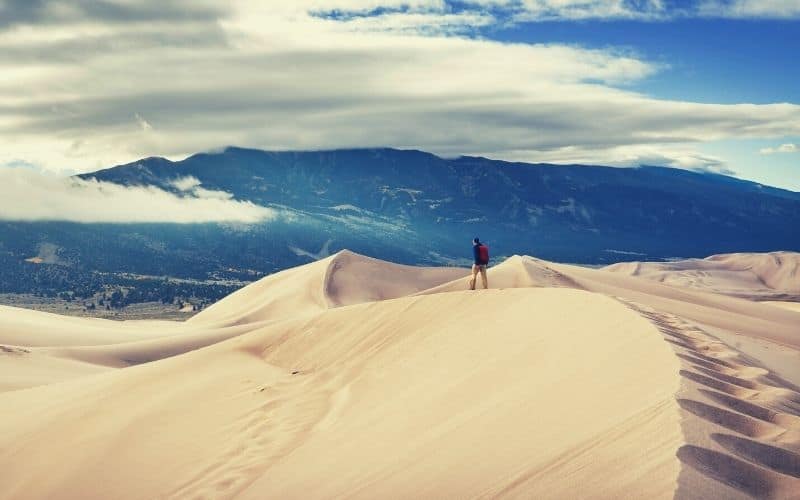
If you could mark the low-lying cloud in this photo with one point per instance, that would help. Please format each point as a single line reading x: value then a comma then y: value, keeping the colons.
x: 31, y: 196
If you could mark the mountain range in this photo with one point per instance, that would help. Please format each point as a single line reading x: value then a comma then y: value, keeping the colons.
x: 574, y: 212
x: 417, y: 208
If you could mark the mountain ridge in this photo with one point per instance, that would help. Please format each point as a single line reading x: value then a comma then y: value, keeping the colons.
x: 407, y: 206
x: 459, y: 158
x: 546, y: 209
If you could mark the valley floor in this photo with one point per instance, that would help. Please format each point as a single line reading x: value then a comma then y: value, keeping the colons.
x: 143, y: 310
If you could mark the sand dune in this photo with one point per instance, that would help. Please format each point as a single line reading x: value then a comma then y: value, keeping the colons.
x: 713, y: 310
x: 750, y: 275
x: 21, y: 368
x: 36, y: 328
x: 791, y: 306
x: 353, y: 377
x: 344, y: 278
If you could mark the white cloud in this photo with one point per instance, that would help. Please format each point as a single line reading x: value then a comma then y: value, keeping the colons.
x: 664, y: 155
x: 191, y: 185
x: 209, y: 194
x: 783, y: 148
x: 288, y: 76
x: 29, y: 196
x: 187, y: 183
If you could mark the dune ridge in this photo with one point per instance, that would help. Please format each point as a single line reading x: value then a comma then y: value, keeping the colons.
x: 741, y: 421
x: 356, y: 377
x: 344, y: 278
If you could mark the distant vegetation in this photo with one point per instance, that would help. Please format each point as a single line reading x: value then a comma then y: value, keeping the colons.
x: 95, y: 290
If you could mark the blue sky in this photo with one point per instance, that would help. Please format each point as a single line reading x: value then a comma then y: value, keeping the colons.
x: 704, y: 60
x: 701, y: 84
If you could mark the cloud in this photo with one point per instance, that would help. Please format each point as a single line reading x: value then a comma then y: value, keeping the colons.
x: 29, y: 196
x: 143, y: 124
x: 637, y: 10
x: 571, y: 10
x: 48, y: 254
x: 419, y: 23
x: 187, y: 183
x: 783, y: 148
x: 314, y: 74
x: 14, y: 12
x: 191, y: 185
x: 18, y: 163
x: 664, y: 155
x: 517, y: 11
x: 749, y: 9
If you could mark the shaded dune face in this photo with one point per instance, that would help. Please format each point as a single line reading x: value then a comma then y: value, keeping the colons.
x: 342, y: 279
x: 741, y: 421
x: 355, y: 377
x: 739, y: 474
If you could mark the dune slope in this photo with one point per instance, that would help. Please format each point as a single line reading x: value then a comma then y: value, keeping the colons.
x: 749, y: 275
x: 353, y: 377
x: 50, y: 348
x: 417, y: 395
x: 730, y: 313
x: 344, y: 278
x: 24, y: 327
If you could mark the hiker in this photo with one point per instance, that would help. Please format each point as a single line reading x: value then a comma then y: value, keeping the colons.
x: 480, y: 253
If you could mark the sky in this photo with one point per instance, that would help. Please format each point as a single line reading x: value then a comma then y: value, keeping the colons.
x: 697, y: 84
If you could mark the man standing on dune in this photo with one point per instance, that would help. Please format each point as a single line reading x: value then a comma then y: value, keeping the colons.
x: 480, y: 254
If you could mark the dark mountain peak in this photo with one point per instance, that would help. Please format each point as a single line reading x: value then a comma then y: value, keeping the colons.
x: 146, y: 162
x: 269, y: 159
x: 148, y: 170
x: 366, y: 150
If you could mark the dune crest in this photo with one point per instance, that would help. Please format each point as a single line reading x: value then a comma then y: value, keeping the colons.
x: 344, y: 278
x: 356, y: 377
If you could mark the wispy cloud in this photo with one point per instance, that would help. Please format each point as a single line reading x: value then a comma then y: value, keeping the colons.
x: 143, y: 124
x: 30, y: 196
x: 639, y: 10
x: 749, y: 9
x: 783, y: 148
x: 465, y: 12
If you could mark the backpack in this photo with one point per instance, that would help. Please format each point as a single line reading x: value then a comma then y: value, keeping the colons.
x: 483, y: 253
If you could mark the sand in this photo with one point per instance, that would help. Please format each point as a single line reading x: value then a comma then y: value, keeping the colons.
x: 749, y: 275
x: 791, y: 306
x: 353, y: 377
